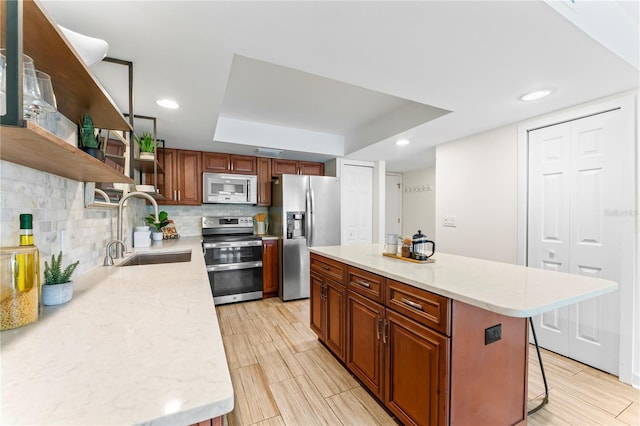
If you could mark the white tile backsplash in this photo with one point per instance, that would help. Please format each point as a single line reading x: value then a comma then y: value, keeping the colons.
x: 57, y: 204
x: 188, y: 218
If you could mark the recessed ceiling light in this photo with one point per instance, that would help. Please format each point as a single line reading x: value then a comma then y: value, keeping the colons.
x: 536, y: 94
x: 402, y: 142
x: 168, y: 103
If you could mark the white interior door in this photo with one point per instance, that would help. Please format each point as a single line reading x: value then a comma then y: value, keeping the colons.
x: 357, y: 204
x: 393, y: 204
x: 575, y: 178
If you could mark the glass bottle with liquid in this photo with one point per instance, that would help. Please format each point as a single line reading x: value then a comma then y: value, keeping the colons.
x: 20, y: 279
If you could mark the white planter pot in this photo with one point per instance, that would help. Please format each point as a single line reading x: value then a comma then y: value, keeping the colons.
x: 146, y: 155
x: 57, y: 294
x: 157, y: 236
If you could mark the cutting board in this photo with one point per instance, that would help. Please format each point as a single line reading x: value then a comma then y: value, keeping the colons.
x: 408, y: 259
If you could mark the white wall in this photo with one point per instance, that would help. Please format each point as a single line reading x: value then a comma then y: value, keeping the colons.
x: 476, y: 182
x: 419, y: 203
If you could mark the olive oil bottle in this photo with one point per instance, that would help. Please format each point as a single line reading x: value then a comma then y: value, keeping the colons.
x: 20, y: 279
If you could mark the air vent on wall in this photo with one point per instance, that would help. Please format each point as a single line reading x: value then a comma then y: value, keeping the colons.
x: 269, y: 152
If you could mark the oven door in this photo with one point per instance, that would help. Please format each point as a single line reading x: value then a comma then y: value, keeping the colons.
x: 230, y: 252
x: 235, y: 282
x: 234, y: 268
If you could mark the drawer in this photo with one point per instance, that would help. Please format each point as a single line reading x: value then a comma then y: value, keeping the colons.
x: 328, y: 268
x: 422, y: 306
x: 365, y: 283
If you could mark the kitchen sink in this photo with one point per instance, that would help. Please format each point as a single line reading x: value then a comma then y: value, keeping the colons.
x: 157, y: 258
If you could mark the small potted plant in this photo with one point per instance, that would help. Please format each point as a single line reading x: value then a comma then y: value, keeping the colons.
x: 156, y: 230
x: 58, y: 287
x: 147, y: 145
x: 88, y: 142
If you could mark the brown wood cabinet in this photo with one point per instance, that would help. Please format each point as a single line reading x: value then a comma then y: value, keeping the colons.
x: 182, y: 183
x: 423, y: 355
x: 263, y: 166
x: 228, y: 163
x: 365, y: 347
x: 292, y: 167
x: 269, y: 268
x: 328, y: 294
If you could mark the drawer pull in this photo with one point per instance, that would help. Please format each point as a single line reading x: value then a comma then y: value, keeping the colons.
x: 364, y: 284
x: 412, y: 304
x: 325, y: 267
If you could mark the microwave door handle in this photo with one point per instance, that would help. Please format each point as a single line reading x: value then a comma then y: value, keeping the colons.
x: 248, y: 190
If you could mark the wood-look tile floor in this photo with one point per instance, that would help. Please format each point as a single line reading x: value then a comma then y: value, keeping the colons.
x: 282, y: 375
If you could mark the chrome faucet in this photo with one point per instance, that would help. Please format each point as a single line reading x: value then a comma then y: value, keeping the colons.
x: 121, y: 207
x: 108, y: 260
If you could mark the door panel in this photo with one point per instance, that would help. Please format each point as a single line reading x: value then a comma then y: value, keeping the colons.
x: 316, y: 303
x: 335, y: 306
x: 393, y: 204
x: 357, y: 203
x: 589, y: 242
x: 325, y: 215
x: 364, y: 346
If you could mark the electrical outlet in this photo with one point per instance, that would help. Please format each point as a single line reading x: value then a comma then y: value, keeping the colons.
x: 492, y: 334
x: 450, y: 221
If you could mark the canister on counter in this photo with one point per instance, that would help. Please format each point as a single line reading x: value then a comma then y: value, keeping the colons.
x: 19, y: 286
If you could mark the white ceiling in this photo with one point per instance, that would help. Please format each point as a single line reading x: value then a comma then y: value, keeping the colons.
x: 363, y: 74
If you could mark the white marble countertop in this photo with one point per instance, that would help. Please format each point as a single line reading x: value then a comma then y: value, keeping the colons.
x: 511, y: 290
x: 135, y: 345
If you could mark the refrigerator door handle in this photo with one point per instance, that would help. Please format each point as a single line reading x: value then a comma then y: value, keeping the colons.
x: 313, y: 218
x: 309, y: 214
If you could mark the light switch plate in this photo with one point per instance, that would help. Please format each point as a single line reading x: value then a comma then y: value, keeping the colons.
x: 449, y: 221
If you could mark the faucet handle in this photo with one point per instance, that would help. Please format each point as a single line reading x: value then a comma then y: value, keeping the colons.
x: 108, y: 260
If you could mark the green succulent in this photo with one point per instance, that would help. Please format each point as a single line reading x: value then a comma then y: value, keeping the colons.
x: 163, y: 217
x: 146, y: 141
x: 54, y: 274
x: 87, y: 133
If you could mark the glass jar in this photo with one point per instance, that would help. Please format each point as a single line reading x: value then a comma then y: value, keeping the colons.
x: 19, y: 286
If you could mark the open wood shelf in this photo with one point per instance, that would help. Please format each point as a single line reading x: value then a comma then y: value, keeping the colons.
x: 146, y: 166
x: 35, y: 147
x: 77, y: 90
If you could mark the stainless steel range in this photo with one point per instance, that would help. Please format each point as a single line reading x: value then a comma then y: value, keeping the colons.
x: 233, y: 256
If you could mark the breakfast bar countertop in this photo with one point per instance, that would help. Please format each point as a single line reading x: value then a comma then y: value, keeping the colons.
x: 135, y: 345
x: 512, y: 290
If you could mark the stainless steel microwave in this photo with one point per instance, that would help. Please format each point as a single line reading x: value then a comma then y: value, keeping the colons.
x: 229, y: 188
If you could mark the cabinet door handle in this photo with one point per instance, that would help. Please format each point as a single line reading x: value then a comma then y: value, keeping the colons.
x: 412, y: 304
x: 384, y: 331
x: 178, y: 195
x: 175, y: 195
x: 364, y: 284
x: 378, y: 327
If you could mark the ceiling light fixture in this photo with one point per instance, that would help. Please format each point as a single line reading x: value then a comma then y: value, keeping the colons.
x: 402, y: 142
x: 168, y: 103
x: 536, y: 94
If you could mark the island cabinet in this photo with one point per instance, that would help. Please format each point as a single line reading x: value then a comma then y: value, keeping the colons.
x: 182, y: 181
x: 228, y: 163
x: 402, y: 361
x: 429, y: 359
x: 328, y: 296
x: 269, y: 268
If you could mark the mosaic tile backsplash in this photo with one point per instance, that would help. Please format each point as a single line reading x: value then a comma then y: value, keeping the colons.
x: 60, y: 220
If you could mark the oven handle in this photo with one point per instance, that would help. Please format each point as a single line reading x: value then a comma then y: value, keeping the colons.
x: 234, y: 266
x: 233, y: 244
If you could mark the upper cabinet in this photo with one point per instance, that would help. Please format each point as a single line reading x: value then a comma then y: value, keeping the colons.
x: 228, y: 163
x: 292, y: 167
x: 181, y: 183
x: 78, y: 92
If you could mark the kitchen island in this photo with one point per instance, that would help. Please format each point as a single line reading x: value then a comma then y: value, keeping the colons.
x: 135, y: 345
x: 437, y: 343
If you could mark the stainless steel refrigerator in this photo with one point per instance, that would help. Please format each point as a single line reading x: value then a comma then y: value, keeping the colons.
x: 304, y: 212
